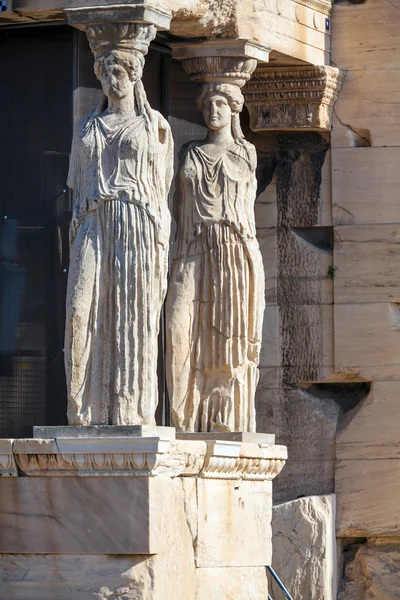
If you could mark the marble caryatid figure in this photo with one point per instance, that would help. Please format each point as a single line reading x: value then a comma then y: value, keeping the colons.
x: 120, y: 172
x: 215, y: 301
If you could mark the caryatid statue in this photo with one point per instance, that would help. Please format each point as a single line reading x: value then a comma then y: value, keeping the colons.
x: 215, y: 302
x: 120, y: 172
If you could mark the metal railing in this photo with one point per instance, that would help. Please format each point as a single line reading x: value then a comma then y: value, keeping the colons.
x: 279, y: 582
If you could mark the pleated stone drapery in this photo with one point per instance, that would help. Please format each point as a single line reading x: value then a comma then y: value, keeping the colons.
x: 120, y: 172
x: 215, y: 301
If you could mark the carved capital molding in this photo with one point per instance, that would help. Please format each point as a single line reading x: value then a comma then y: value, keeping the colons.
x: 8, y: 468
x: 292, y: 98
x: 145, y: 13
x: 220, y: 61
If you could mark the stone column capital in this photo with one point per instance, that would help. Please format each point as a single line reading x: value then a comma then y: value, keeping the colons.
x: 221, y: 60
x: 146, y: 13
x: 292, y: 98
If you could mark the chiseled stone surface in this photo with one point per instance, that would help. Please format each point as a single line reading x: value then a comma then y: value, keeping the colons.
x: 234, y: 523
x: 235, y: 583
x: 304, y: 548
x: 372, y: 571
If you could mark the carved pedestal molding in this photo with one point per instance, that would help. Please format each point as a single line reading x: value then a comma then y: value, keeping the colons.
x: 99, y: 457
x: 141, y: 457
x: 8, y: 468
x: 292, y: 98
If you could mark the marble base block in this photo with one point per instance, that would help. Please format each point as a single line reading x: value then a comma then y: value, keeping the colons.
x: 137, y: 517
x: 101, y: 431
x: 247, y: 437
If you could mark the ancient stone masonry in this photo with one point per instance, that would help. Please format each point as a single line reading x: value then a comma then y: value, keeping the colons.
x: 292, y: 98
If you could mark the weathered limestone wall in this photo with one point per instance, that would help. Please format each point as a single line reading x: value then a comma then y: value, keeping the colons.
x: 293, y: 216
x: 365, y: 167
x: 366, y: 219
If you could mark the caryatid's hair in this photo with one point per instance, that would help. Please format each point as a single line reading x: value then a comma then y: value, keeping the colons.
x: 235, y: 100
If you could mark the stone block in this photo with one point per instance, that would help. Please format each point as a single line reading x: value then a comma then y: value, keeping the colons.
x: 104, y: 431
x: 372, y: 571
x: 169, y: 575
x: 365, y: 184
x: 367, y: 266
x: 367, y: 335
x: 374, y: 42
x: 234, y: 583
x: 72, y: 515
x: 368, y: 105
x: 304, y: 548
x: 286, y: 35
x: 372, y: 430
x: 233, y: 523
x: 367, y: 493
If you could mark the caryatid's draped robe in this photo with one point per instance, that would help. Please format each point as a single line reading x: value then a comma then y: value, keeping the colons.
x: 215, y: 301
x: 120, y: 172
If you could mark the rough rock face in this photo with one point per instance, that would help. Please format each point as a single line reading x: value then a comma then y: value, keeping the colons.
x: 304, y: 548
x: 373, y: 571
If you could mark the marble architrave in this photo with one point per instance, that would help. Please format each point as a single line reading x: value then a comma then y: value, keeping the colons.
x: 120, y: 173
x: 215, y: 301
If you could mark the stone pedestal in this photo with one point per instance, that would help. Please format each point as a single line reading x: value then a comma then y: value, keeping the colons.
x: 151, y: 518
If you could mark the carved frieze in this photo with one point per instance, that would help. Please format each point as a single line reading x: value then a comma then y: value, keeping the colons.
x: 292, y: 98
